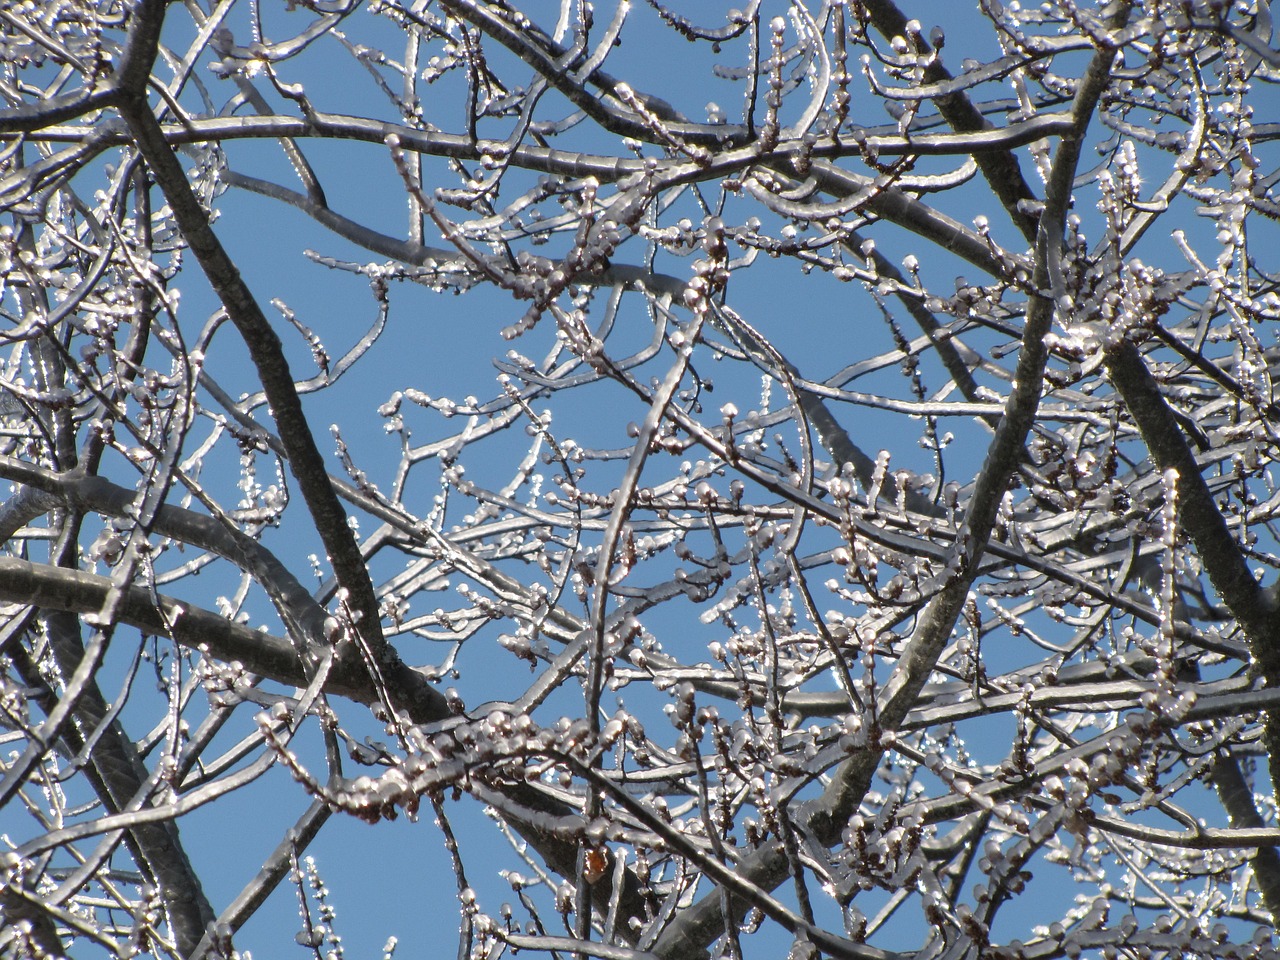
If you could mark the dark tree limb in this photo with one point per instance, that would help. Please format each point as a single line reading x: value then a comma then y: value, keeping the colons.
x: 74, y: 591
x: 120, y: 778
x: 1236, y: 797
x: 1252, y: 606
x: 1000, y: 168
x: 305, y: 460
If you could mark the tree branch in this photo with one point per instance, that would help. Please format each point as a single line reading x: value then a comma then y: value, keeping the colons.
x: 264, y: 345
x: 75, y: 591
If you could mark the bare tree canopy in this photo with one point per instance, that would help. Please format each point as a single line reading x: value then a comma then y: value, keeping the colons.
x: 838, y: 517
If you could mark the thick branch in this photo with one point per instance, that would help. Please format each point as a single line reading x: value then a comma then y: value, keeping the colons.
x: 1197, y: 511
x: 569, y: 163
x: 26, y: 118
x: 264, y: 344
x: 218, y: 938
x: 92, y: 494
x: 74, y: 591
x: 120, y: 779
x: 1236, y: 798
x: 1220, y: 553
x: 999, y: 167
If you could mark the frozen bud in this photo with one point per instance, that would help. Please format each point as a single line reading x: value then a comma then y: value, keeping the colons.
x: 612, y: 730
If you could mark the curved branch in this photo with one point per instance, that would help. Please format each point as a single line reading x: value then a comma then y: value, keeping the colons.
x: 74, y: 591
x: 302, y: 616
x: 569, y: 163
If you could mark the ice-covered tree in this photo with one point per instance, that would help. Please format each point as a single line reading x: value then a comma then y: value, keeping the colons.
x: 837, y: 516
